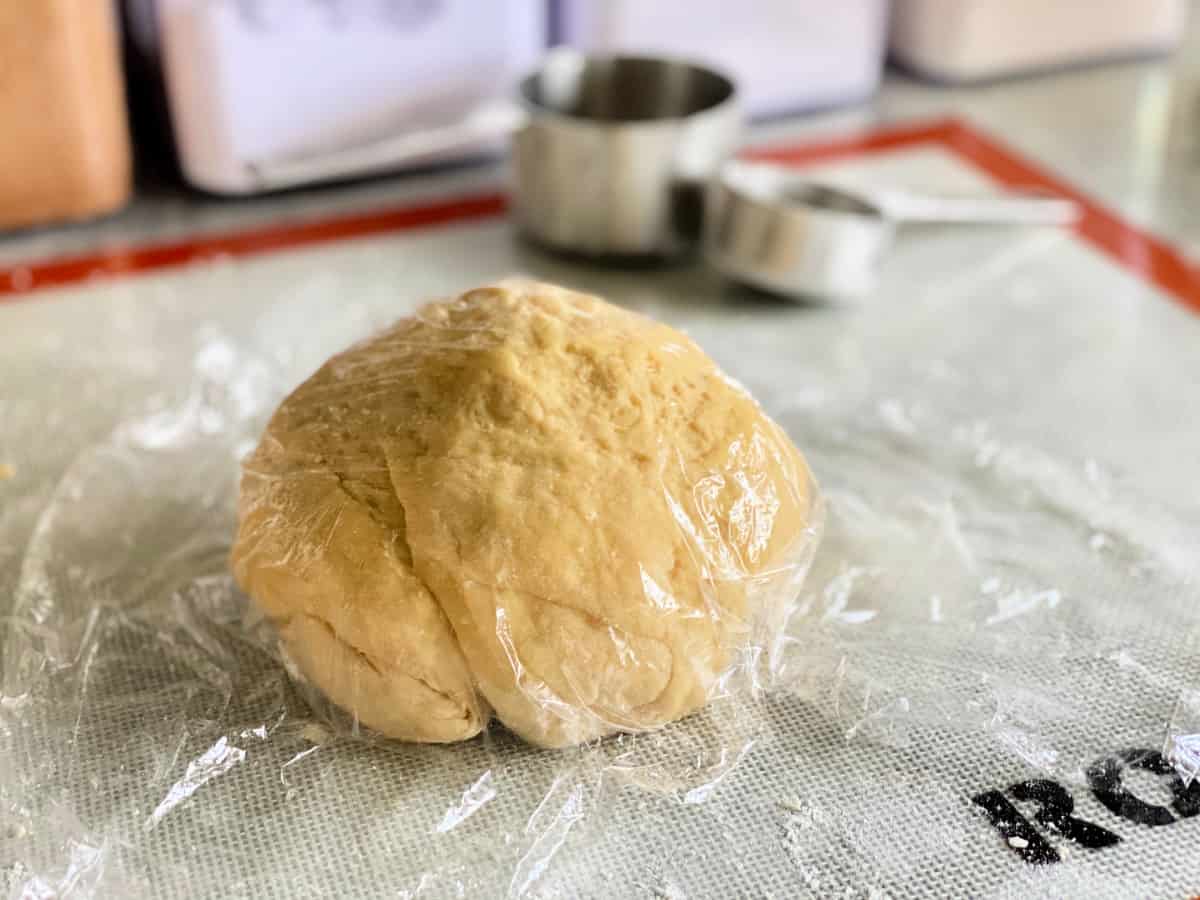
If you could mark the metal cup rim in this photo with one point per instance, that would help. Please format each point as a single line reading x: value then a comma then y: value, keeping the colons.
x: 727, y: 87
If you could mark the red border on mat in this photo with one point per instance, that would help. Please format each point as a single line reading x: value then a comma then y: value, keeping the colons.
x: 1138, y: 250
x: 18, y: 281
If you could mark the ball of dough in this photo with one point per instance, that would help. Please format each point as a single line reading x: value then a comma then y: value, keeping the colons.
x: 524, y: 502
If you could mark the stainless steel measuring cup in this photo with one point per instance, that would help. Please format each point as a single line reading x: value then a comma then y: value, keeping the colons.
x: 611, y: 155
x: 777, y: 230
x: 617, y: 152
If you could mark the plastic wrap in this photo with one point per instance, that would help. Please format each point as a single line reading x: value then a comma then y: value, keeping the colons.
x: 529, y: 504
x: 987, y: 610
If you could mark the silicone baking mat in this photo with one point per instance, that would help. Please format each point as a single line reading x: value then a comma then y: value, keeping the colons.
x: 992, y: 689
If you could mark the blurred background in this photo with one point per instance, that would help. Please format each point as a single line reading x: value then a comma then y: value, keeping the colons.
x: 176, y: 106
x: 1008, y: 585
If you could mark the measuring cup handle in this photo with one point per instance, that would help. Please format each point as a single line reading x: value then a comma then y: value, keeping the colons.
x: 1012, y: 209
x: 490, y: 122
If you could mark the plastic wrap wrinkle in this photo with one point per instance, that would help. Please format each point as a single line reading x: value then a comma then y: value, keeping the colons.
x: 962, y: 629
x: 473, y: 799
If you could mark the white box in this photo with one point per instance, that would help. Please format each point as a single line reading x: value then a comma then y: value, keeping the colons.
x: 253, y: 80
x: 787, y: 55
x: 969, y: 40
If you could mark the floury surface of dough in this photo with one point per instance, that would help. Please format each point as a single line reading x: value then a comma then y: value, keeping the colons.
x: 527, y: 503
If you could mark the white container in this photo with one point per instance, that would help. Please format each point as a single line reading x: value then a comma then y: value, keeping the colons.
x: 970, y: 40
x: 250, y: 81
x: 787, y: 55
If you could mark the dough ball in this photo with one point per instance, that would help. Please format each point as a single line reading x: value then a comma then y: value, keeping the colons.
x: 522, y: 502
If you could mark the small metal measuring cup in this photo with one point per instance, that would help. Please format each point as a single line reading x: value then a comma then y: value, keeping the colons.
x: 777, y: 230
x: 612, y: 155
